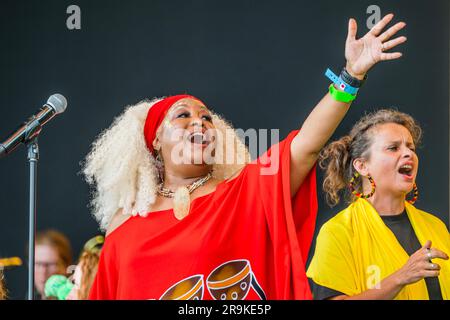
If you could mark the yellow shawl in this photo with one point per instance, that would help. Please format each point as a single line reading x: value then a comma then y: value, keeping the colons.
x: 355, y: 250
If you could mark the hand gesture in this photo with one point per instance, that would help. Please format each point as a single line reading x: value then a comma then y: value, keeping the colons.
x: 362, y: 54
x: 420, y: 265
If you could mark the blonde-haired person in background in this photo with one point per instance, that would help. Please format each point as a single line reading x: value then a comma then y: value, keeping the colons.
x: 5, y: 263
x: 195, y: 229
x: 53, y: 255
x: 380, y: 247
x: 2, y: 286
x: 86, y: 269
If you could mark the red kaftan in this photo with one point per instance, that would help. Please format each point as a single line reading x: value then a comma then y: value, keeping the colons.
x: 246, y: 240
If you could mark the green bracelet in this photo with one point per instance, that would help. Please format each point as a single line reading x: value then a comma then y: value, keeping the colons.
x: 341, y: 96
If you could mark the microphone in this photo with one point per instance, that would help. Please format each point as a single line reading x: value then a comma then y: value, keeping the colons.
x: 30, y: 129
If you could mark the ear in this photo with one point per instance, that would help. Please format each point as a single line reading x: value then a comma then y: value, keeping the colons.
x: 361, y: 166
x: 156, y: 144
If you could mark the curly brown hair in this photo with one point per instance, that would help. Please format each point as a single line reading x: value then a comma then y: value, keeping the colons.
x: 337, y: 157
x: 89, y: 265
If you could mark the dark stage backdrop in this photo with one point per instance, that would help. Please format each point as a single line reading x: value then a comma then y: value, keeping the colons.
x: 259, y: 63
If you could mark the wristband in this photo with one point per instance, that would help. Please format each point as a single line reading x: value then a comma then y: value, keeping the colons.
x: 341, y: 96
x: 343, y: 85
x: 348, y: 78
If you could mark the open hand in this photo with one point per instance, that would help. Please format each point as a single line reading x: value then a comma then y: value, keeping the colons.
x: 364, y: 53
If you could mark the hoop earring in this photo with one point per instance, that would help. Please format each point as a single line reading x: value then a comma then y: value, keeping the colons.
x: 360, y: 194
x: 415, y: 194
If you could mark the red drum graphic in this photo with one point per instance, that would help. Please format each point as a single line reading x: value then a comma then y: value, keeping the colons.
x: 187, y: 289
x: 232, y: 280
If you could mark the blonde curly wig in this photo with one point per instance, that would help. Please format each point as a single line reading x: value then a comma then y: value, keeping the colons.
x: 123, y: 172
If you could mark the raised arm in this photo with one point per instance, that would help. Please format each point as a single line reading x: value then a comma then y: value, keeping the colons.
x: 361, y: 55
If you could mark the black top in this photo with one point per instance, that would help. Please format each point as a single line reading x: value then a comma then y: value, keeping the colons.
x: 404, y: 232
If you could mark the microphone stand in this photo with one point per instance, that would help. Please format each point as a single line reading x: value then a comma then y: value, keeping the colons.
x: 33, y: 157
x: 28, y: 134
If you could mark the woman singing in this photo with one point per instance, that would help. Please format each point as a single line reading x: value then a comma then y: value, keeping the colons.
x: 181, y: 227
x: 380, y: 247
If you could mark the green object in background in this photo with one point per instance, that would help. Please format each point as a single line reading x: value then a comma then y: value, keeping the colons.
x: 58, y: 286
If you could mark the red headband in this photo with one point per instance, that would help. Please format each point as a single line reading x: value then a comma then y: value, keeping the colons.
x: 156, y: 115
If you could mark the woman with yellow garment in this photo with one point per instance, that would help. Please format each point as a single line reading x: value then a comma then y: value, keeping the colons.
x: 379, y: 247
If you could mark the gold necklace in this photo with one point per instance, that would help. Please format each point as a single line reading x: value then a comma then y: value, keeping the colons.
x: 181, y: 197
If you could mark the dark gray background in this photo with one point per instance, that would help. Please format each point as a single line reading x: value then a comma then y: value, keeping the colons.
x: 259, y: 63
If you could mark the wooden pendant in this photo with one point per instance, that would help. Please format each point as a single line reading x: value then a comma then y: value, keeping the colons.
x: 181, y: 203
